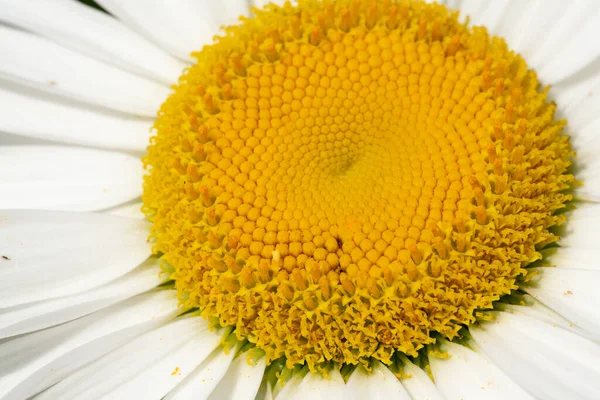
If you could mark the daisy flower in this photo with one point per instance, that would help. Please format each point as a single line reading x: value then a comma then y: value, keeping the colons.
x: 321, y: 199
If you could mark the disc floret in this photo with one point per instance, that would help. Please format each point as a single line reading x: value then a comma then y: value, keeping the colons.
x: 340, y: 180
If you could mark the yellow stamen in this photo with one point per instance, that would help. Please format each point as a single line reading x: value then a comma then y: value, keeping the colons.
x: 374, y: 164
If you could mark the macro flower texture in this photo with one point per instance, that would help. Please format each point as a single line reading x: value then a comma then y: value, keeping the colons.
x: 311, y: 199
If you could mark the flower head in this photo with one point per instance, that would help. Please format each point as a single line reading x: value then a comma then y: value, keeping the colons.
x: 340, y: 181
x: 341, y: 199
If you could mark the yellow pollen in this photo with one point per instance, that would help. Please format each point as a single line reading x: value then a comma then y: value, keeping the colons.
x: 340, y: 180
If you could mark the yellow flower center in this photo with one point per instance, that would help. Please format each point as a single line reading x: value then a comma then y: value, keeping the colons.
x: 340, y: 180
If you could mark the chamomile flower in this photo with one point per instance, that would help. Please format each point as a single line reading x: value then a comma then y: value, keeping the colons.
x: 328, y: 199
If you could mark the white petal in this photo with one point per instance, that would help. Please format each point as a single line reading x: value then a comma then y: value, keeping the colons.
x: 180, y: 27
x: 579, y: 97
x: 465, y: 374
x: 228, y: 12
x: 129, y: 210
x: 534, y: 28
x: 587, y: 166
x: 67, y: 178
x: 148, y: 366
x: 417, y: 383
x: 546, y: 360
x: 42, y: 64
x: 586, y: 143
x: 581, y: 229
x: 452, y: 4
x: 571, y: 257
x: 571, y: 292
x: 33, y: 362
x: 46, y: 313
x: 204, y: 379
x: 569, y: 15
x: 574, y: 49
x: 289, y: 387
x: 568, y: 93
x: 262, y: 3
x: 380, y: 383
x: 485, y: 13
x: 587, y: 139
x: 535, y: 309
x: 520, y: 17
x: 315, y: 386
x: 585, y: 110
x: 61, y: 121
x: 48, y: 254
x: 9, y: 139
x: 93, y: 33
x: 241, y: 381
